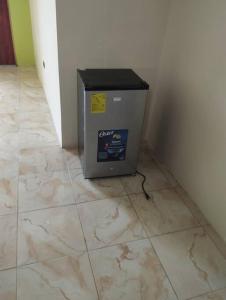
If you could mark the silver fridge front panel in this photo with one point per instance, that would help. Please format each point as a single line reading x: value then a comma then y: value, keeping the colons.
x: 124, y: 111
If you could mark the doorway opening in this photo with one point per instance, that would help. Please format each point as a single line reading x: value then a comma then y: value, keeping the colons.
x: 7, y: 55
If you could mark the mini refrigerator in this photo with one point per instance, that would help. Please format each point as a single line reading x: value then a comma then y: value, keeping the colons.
x: 111, y: 106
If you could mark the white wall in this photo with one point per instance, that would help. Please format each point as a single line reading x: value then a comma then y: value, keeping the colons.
x: 106, y: 33
x: 186, y: 121
x: 43, y: 16
x: 188, y: 127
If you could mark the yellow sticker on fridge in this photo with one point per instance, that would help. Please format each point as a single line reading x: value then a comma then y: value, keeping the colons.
x: 98, y: 103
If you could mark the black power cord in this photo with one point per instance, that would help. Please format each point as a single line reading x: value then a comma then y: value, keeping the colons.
x: 147, y: 196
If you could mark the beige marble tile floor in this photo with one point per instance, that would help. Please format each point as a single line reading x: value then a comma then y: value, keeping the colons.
x: 66, y: 238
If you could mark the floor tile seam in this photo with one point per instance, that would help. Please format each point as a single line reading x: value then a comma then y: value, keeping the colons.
x: 22, y: 147
x: 29, y: 117
x: 74, y: 168
x: 42, y: 173
x: 46, y: 208
x: 64, y: 169
x: 138, y: 217
x: 9, y: 214
x: 113, y: 197
x: 102, y: 199
x: 182, y: 198
x: 66, y: 164
x: 7, y: 269
x: 123, y: 187
x: 156, y: 235
x: 166, y: 187
x: 121, y: 177
x: 90, y: 201
x: 161, y: 234
x: 213, y: 241
x: 177, y: 231
x: 38, y: 173
x: 165, y: 170
x: 4, y: 132
x: 34, y: 129
x: 90, y: 251
x: 18, y: 136
x: 71, y: 182
x: 85, y: 241
x: 42, y: 209
x: 207, y: 293
x: 152, y: 190
x: 30, y: 111
x: 94, y: 277
x: 20, y: 161
x: 164, y: 270
x: 51, y: 259
x: 191, y: 210
x: 35, y: 125
x: 39, y: 107
x: 118, y: 244
x: 42, y: 147
x: 199, y: 227
x: 17, y: 233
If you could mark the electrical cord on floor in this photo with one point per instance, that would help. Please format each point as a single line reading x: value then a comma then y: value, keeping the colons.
x: 147, y: 196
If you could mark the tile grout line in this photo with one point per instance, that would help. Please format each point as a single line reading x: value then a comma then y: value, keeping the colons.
x: 49, y: 259
x: 7, y: 269
x: 104, y: 247
x: 164, y: 270
x: 206, y: 294
x: 45, y: 208
x: 211, y: 289
x: 178, y: 186
x: 118, y: 244
x: 176, y: 231
x: 190, y: 209
x: 166, y: 274
x: 85, y: 251
x: 94, y: 279
x: 199, y: 225
x: 29, y: 112
x: 213, y: 241
x: 17, y: 234
x: 161, y: 234
x: 77, y: 211
x: 73, y: 203
x: 138, y: 217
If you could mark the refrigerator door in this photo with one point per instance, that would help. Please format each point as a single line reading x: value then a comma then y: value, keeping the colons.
x: 111, y: 123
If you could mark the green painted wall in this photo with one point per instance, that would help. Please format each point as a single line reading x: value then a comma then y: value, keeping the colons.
x: 21, y: 30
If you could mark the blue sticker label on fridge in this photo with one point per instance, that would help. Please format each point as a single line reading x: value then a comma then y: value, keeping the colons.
x: 112, y: 145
